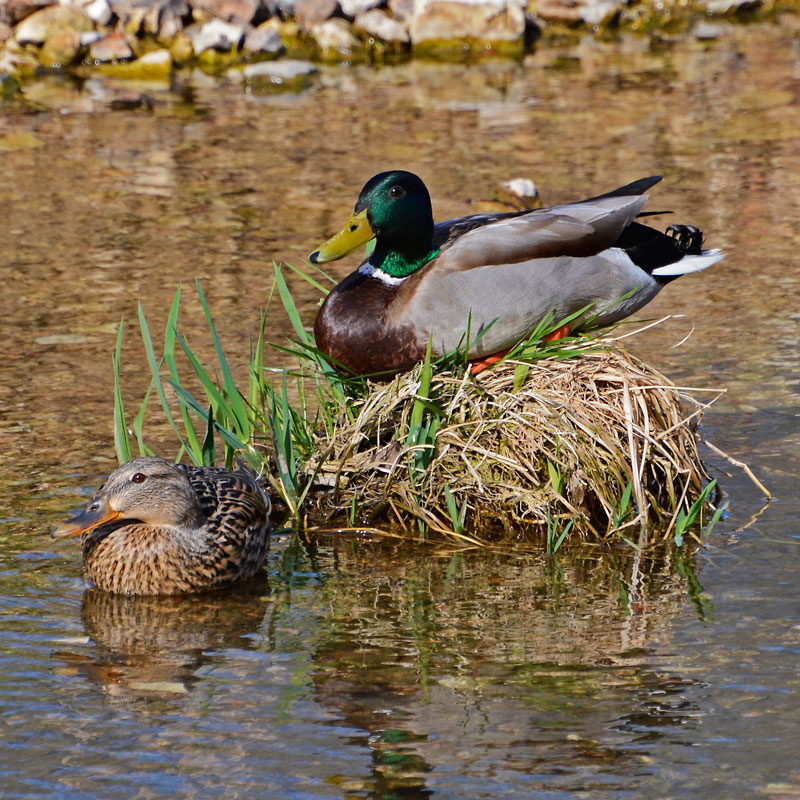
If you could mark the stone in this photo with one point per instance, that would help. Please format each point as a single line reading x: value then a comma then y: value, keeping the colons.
x: 113, y: 47
x: 153, y: 66
x: 523, y: 188
x: 350, y: 8
x: 308, y: 13
x: 264, y: 39
x: 379, y: 25
x: 723, y: 7
x: 180, y: 45
x: 401, y: 9
x: 241, y: 11
x: 484, y: 20
x: 558, y: 11
x: 284, y: 75
x: 52, y: 21
x: 282, y: 8
x: 334, y: 37
x: 90, y: 37
x: 8, y: 84
x: 13, y: 12
x: 164, y: 18
x: 17, y: 61
x: 599, y: 14
x: 99, y: 11
x: 157, y: 60
x: 706, y: 31
x: 6, y: 32
x: 215, y: 35
x: 61, y: 49
x: 285, y: 70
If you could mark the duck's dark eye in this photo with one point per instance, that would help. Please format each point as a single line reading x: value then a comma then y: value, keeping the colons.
x: 397, y: 191
x: 139, y: 477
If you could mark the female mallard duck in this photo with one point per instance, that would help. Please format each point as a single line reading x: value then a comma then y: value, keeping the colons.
x: 160, y: 528
x: 498, y: 274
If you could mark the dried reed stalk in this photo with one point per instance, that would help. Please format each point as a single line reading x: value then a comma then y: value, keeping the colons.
x: 563, y: 445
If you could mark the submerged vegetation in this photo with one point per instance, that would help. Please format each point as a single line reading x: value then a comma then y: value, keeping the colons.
x: 562, y: 439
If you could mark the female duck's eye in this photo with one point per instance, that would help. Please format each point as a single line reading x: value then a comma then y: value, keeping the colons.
x: 139, y: 477
x: 397, y: 191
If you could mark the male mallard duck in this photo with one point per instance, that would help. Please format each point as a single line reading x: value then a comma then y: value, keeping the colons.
x: 499, y: 274
x: 159, y: 528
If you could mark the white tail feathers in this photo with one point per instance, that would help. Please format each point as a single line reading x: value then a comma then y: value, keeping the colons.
x: 706, y: 259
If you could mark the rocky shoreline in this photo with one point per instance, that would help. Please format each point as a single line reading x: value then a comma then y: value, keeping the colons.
x: 278, y: 40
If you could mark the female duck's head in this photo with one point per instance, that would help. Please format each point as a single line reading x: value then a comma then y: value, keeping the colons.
x: 148, y: 490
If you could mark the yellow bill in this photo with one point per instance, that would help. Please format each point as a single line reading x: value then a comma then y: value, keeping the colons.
x: 356, y: 232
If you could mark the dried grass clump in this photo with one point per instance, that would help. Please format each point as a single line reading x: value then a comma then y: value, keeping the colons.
x: 600, y: 438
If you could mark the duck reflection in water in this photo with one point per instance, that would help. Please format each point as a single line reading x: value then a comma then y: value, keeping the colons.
x: 149, y: 651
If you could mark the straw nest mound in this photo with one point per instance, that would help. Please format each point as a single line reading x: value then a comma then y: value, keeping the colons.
x: 600, y: 438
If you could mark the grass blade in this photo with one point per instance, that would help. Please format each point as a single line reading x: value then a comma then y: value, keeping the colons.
x: 235, y: 401
x: 121, y: 442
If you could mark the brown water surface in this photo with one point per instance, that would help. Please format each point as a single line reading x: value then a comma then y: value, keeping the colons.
x: 361, y: 668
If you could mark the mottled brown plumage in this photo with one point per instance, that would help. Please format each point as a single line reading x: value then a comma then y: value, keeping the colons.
x: 160, y: 528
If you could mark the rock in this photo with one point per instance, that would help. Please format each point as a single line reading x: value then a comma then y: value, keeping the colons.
x: 334, y: 38
x: 285, y: 70
x: 90, y: 37
x: 215, y: 35
x: 14, y: 11
x: 99, y: 11
x: 157, y: 61
x: 163, y: 18
x: 380, y: 25
x: 283, y: 8
x: 722, y: 7
x: 166, y: 17
x: 308, y: 13
x: 241, y: 11
x: 523, y: 188
x: 113, y: 47
x: 17, y: 61
x: 705, y: 31
x: 351, y: 8
x: 599, y: 14
x: 485, y: 20
x: 8, y: 84
x: 180, y: 45
x: 558, y: 11
x: 61, y: 50
x: 153, y: 66
x: 284, y: 74
x: 6, y: 32
x: 52, y: 21
x: 401, y: 9
x: 264, y: 39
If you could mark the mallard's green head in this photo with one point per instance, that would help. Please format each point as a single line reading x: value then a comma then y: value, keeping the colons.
x: 394, y: 208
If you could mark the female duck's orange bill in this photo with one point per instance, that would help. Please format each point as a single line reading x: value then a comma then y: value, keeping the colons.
x: 97, y: 513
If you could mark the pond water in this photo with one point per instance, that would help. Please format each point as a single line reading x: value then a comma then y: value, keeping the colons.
x: 364, y: 668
